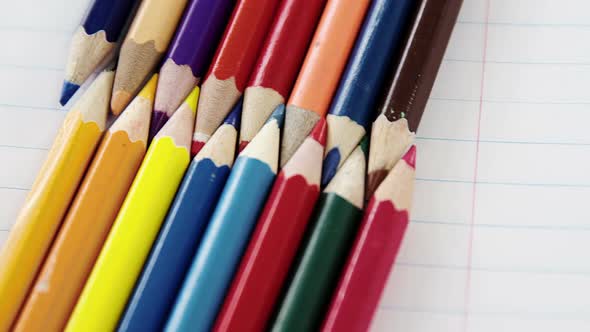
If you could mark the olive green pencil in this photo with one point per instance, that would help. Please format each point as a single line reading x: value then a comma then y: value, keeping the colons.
x: 323, y: 254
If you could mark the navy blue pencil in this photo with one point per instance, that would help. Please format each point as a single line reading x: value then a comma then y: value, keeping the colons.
x: 95, y: 38
x: 379, y: 40
x: 189, y: 214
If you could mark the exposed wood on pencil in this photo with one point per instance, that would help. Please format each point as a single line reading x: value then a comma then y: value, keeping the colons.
x: 322, y: 255
x: 376, y: 48
x: 278, y: 63
x: 93, y: 41
x: 321, y: 71
x: 178, y: 240
x: 230, y: 226
x: 113, y: 277
x: 51, y: 193
x: 188, y: 56
x: 375, y: 249
x: 232, y: 65
x: 409, y: 86
x: 89, y: 219
x: 144, y: 45
x: 272, y: 248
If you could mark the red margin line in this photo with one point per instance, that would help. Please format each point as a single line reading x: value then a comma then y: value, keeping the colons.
x: 476, y: 167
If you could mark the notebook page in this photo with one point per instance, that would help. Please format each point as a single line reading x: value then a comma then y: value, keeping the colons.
x: 499, y: 234
x: 35, y: 41
x: 500, y: 230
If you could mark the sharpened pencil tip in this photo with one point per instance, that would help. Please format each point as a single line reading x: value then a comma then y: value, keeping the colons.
x: 320, y: 131
x: 67, y: 91
x: 159, y: 119
x: 196, y: 147
x: 410, y: 157
x: 374, y: 179
x: 119, y: 101
x: 234, y: 117
x: 243, y: 145
x: 330, y: 166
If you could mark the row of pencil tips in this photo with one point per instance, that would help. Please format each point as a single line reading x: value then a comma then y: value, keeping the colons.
x: 123, y: 230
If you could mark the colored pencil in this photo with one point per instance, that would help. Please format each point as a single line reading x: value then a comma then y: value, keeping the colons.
x: 278, y: 63
x: 143, y: 47
x: 226, y: 236
x: 188, y: 56
x: 271, y: 250
x: 231, y: 65
x: 178, y: 240
x: 89, y: 220
x: 321, y: 71
x: 93, y: 41
x: 49, y: 198
x: 374, y: 251
x: 352, y: 108
x: 136, y: 227
x: 409, y: 87
x: 323, y: 254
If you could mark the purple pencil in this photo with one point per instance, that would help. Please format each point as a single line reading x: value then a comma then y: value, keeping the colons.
x: 188, y: 56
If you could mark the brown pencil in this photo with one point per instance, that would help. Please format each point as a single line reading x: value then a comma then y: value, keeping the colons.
x: 409, y: 87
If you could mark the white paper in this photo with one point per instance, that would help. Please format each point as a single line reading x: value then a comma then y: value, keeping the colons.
x: 500, y: 232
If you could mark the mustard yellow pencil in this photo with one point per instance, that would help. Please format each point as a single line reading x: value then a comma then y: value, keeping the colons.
x: 136, y: 227
x: 50, y: 196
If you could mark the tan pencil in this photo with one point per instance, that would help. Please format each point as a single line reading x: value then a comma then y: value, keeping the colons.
x: 145, y: 44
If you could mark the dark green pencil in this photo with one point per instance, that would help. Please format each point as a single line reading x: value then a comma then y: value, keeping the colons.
x: 334, y: 224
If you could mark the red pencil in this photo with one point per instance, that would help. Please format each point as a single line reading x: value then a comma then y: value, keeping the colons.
x: 278, y: 63
x: 374, y: 250
x: 263, y: 269
x: 231, y: 66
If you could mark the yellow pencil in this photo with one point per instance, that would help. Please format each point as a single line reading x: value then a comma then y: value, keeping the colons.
x: 50, y: 196
x: 129, y: 242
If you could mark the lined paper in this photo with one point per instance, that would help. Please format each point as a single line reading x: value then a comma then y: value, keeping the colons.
x: 500, y: 230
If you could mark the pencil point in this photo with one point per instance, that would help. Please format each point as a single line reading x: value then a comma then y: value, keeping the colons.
x: 330, y: 166
x: 196, y: 147
x: 410, y: 157
x: 119, y: 101
x: 278, y: 114
x: 149, y: 90
x: 235, y: 115
x: 67, y: 91
x: 320, y: 131
x: 193, y: 99
x: 158, y: 121
x: 374, y: 179
x: 243, y: 145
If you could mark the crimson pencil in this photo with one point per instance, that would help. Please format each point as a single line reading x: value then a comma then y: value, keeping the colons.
x: 278, y: 63
x: 374, y: 250
x: 231, y: 65
x: 263, y: 269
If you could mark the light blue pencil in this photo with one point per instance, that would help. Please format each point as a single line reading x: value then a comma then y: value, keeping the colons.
x: 228, y: 232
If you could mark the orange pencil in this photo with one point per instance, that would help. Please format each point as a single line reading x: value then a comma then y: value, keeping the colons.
x: 319, y: 76
x: 51, y: 194
x: 89, y: 220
